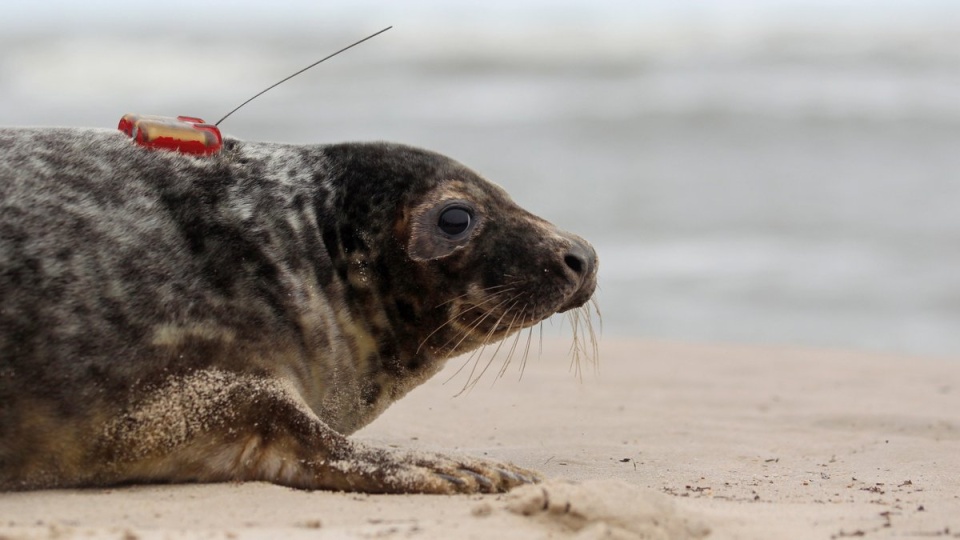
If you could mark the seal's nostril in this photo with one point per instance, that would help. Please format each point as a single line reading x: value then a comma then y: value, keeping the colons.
x: 576, y: 263
x: 581, y: 273
x: 580, y: 259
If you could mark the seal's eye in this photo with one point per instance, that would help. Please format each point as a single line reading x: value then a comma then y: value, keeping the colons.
x: 441, y: 228
x: 455, y: 220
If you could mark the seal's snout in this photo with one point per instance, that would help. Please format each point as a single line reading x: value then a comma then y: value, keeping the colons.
x: 580, y: 261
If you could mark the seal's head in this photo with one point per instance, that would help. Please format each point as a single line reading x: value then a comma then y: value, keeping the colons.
x: 445, y: 257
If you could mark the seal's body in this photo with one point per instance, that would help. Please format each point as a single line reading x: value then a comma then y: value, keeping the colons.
x: 173, y: 318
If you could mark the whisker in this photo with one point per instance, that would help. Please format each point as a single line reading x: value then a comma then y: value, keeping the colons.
x: 513, y: 348
x: 468, y: 293
x: 473, y: 382
x: 477, y: 353
x: 469, y: 331
x: 475, y: 306
x: 540, y: 350
x: 584, y: 345
x: 595, y: 347
x: 596, y: 308
x: 587, y: 342
x: 486, y: 340
x: 470, y: 383
x: 575, y: 347
x: 465, y: 334
x: 526, y: 352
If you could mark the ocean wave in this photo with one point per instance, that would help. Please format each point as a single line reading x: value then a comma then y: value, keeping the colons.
x: 82, y: 70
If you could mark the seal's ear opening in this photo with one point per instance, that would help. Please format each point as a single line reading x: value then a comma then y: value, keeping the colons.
x: 439, y: 230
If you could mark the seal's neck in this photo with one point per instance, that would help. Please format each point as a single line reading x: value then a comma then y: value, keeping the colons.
x: 379, y: 324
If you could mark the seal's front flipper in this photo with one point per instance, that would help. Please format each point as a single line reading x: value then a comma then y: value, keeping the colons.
x: 373, y: 470
x: 214, y: 426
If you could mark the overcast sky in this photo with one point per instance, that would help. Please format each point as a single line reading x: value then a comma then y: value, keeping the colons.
x: 220, y: 15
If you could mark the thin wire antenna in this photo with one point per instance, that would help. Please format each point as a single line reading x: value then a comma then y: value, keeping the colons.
x: 271, y: 87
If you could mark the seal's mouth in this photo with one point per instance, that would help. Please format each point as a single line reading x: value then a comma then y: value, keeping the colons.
x: 521, y: 304
x: 492, y: 323
x: 582, y: 295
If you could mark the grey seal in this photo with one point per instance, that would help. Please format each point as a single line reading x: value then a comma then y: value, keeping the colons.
x: 172, y: 318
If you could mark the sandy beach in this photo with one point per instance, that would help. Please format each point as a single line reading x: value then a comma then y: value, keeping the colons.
x: 666, y: 441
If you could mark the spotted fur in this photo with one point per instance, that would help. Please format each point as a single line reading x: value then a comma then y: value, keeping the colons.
x: 165, y: 317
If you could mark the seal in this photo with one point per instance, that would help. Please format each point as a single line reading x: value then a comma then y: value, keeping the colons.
x: 171, y: 318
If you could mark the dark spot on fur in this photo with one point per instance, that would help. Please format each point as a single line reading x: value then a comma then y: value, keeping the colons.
x: 405, y: 309
x: 231, y: 256
x: 317, y: 255
x: 349, y: 241
x: 388, y: 358
x: 299, y: 203
x: 415, y: 362
x: 330, y: 242
x: 370, y: 393
x: 380, y: 268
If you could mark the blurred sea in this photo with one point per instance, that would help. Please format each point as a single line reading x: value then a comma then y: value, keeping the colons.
x: 762, y: 172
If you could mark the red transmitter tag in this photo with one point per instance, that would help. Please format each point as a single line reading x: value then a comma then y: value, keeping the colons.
x: 183, y: 134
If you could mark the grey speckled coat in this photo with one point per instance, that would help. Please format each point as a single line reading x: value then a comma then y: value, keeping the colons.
x: 173, y: 318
